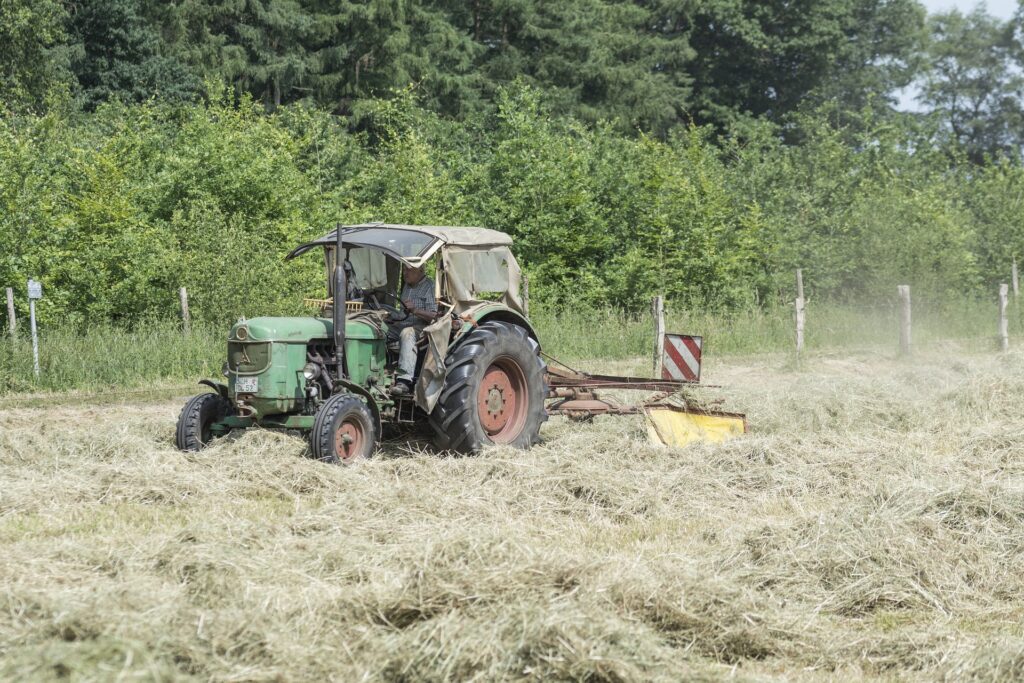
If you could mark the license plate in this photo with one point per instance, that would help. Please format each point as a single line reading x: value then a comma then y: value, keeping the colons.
x: 246, y: 385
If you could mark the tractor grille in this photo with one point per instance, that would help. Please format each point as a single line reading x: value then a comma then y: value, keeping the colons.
x: 248, y: 357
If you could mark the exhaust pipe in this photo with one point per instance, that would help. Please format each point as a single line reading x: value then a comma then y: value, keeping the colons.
x: 338, y: 309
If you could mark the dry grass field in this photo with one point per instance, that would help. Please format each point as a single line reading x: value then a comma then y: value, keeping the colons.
x: 870, y: 526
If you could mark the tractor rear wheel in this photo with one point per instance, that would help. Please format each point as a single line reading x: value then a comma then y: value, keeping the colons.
x: 493, y: 393
x: 193, y: 431
x: 344, y: 430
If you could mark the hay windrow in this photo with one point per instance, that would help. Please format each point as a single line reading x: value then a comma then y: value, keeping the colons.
x: 872, y: 526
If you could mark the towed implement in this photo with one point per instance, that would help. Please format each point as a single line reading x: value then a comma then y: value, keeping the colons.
x: 672, y: 419
x: 480, y: 377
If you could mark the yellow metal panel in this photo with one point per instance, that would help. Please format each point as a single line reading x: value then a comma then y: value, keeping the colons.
x: 676, y: 427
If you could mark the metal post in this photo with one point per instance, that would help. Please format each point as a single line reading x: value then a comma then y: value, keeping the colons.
x: 35, y: 336
x: 12, y: 323
x: 339, y: 314
x: 1014, y: 279
x: 35, y: 291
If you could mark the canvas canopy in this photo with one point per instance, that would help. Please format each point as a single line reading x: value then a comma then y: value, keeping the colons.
x: 476, y: 275
x: 477, y: 263
x: 412, y: 244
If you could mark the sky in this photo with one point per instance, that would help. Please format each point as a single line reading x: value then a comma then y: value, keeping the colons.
x: 1000, y: 8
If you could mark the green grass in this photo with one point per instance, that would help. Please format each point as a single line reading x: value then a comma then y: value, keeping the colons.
x: 107, y: 356
x: 581, y: 334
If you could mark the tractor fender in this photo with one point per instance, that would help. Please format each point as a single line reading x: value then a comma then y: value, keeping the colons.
x: 361, y: 391
x: 221, y: 389
x: 486, y: 312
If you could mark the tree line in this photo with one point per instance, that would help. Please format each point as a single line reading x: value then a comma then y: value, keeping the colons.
x: 648, y: 65
x: 115, y: 211
x: 697, y: 150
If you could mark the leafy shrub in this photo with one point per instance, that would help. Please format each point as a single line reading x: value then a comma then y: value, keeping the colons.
x: 115, y: 210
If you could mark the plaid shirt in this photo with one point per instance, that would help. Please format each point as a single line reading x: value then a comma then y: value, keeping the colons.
x: 422, y: 295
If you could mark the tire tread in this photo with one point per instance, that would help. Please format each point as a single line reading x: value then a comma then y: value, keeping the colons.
x: 189, y: 429
x: 452, y: 417
x: 320, y: 438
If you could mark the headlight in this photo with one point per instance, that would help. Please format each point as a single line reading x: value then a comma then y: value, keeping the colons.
x: 311, y: 371
x: 242, y: 333
x: 225, y: 369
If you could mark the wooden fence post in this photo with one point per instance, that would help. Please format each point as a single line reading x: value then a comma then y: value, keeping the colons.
x: 1014, y: 280
x: 1004, y: 328
x: 799, y: 306
x: 904, y: 295
x: 658, y: 310
x: 183, y: 298
x: 12, y: 323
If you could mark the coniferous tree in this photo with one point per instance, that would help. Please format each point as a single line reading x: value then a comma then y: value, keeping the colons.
x: 646, y: 64
x: 366, y: 49
x: 260, y: 46
x: 597, y: 59
x: 767, y: 58
x: 117, y: 53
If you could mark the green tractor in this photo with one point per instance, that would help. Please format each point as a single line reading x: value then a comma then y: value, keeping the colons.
x: 479, y: 377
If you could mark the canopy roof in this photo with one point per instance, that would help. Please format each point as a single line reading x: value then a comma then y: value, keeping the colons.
x: 410, y: 243
x: 462, y: 236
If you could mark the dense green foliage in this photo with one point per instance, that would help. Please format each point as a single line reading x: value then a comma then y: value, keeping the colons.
x: 698, y: 150
x: 117, y: 55
x: 974, y: 84
x: 116, y: 210
x: 647, y: 64
x: 33, y: 52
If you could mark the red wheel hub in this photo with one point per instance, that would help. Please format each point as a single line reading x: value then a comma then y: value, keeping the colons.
x: 502, y: 401
x: 348, y: 440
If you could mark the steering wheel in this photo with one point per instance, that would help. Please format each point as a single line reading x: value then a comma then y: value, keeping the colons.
x: 397, y: 312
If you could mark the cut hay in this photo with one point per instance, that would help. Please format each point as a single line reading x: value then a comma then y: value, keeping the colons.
x: 870, y: 526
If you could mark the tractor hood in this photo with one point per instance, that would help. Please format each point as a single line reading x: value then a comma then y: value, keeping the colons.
x: 299, y: 329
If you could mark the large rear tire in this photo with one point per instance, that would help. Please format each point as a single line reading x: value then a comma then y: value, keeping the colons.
x: 494, y: 391
x: 344, y: 430
x: 193, y: 431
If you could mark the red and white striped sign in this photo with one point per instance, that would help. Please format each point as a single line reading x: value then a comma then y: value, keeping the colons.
x: 681, y: 360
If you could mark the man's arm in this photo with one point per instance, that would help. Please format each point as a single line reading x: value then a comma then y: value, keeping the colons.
x: 423, y: 315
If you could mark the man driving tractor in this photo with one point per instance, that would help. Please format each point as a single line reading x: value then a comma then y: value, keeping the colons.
x: 420, y: 309
x: 486, y: 384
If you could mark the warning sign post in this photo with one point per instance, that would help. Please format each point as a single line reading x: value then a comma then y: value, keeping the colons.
x: 681, y: 357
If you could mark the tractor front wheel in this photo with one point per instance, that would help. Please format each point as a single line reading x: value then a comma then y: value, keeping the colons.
x: 344, y: 430
x: 193, y: 432
x: 493, y: 392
